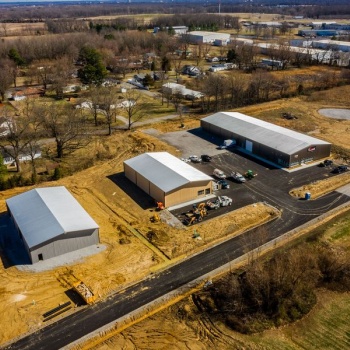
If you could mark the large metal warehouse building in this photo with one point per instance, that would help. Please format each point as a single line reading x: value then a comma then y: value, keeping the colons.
x: 51, y: 222
x: 202, y: 37
x: 274, y: 143
x: 166, y: 178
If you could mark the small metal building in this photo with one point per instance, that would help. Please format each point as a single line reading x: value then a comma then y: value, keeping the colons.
x: 274, y: 143
x: 51, y: 222
x: 166, y: 178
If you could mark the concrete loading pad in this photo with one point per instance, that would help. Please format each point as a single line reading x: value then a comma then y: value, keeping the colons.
x: 335, y: 113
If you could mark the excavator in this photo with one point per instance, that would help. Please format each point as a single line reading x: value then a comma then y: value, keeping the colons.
x: 196, y: 215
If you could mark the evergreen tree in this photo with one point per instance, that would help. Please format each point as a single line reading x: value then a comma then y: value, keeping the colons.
x: 93, y: 70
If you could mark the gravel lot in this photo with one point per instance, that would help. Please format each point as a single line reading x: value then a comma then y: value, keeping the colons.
x: 193, y: 142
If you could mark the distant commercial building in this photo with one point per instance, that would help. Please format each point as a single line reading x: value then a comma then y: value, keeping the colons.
x: 178, y: 30
x: 281, y: 146
x: 317, y: 32
x: 51, y: 222
x: 201, y: 37
x: 332, y: 45
x: 167, y: 179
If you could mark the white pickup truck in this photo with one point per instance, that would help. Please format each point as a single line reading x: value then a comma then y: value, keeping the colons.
x: 224, y: 201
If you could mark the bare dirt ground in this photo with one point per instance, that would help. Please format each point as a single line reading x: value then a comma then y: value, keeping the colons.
x: 25, y: 296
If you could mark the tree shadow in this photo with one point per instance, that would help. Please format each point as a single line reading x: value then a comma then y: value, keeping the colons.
x: 12, y: 249
x: 139, y: 196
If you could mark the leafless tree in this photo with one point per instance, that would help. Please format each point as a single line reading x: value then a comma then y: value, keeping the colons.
x: 108, y: 106
x: 135, y: 109
x: 67, y: 126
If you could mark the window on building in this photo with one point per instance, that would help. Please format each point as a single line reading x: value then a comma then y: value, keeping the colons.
x: 200, y: 193
x: 207, y: 191
x: 40, y: 257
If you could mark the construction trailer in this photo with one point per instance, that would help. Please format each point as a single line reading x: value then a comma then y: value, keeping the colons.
x: 278, y: 145
x: 51, y: 222
x: 167, y: 179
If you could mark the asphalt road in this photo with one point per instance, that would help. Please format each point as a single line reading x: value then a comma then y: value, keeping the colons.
x: 271, y: 185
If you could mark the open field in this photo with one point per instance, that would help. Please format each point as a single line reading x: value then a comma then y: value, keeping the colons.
x: 24, y: 297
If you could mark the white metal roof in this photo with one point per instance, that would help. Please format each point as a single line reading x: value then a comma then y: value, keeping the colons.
x: 165, y: 171
x: 210, y: 34
x: 45, y: 213
x: 183, y: 90
x: 274, y: 136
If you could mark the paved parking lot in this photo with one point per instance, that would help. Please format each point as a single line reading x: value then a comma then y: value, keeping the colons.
x: 271, y: 185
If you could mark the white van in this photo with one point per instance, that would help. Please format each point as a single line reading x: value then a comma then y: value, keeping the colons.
x: 219, y: 174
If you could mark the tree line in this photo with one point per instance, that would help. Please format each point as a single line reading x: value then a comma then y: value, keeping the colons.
x: 318, y: 9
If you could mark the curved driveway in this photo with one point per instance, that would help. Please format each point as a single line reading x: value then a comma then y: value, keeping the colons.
x: 271, y: 185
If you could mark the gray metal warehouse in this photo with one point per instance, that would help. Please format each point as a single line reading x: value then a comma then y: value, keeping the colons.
x: 281, y: 146
x: 51, y: 222
x: 166, y: 178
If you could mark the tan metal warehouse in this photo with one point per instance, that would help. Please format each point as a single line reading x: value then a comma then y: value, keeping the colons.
x: 167, y: 179
x: 51, y: 222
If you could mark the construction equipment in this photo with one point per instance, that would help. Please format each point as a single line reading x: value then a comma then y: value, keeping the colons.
x: 84, y: 292
x: 213, y: 204
x: 250, y: 174
x: 160, y: 206
x: 155, y: 218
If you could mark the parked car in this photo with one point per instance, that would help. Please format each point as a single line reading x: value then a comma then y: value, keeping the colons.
x: 219, y: 174
x: 186, y: 160
x: 224, y: 184
x: 237, y: 177
x: 194, y: 159
x: 326, y: 163
x: 205, y: 158
x: 340, y: 169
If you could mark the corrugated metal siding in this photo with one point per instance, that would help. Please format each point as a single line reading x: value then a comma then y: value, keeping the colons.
x: 130, y: 173
x: 65, y: 245
x: 187, y: 193
x: 285, y: 140
x: 156, y: 193
x: 143, y: 183
x: 274, y: 154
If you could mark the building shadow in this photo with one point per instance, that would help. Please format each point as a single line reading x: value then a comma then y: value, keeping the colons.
x: 199, y: 132
x: 137, y: 195
x: 12, y: 249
